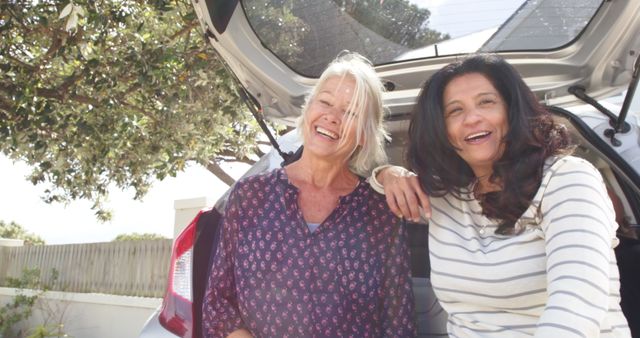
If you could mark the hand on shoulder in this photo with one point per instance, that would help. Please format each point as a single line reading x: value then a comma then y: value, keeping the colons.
x: 403, y: 192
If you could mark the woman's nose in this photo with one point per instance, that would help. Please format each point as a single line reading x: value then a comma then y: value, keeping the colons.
x: 472, y: 116
x: 332, y: 115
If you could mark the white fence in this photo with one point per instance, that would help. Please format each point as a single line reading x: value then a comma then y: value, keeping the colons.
x: 131, y: 268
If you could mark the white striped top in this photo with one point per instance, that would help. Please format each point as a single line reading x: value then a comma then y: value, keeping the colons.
x: 556, y: 278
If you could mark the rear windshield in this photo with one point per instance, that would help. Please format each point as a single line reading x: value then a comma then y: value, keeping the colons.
x: 307, y: 34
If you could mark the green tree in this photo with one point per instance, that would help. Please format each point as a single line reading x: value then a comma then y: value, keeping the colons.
x: 286, y: 43
x: 137, y: 237
x: 95, y: 93
x: 307, y: 41
x: 13, y: 230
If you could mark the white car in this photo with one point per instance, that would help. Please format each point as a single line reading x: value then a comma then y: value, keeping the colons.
x: 578, y: 56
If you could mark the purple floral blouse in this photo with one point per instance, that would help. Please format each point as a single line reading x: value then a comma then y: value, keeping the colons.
x: 272, y: 276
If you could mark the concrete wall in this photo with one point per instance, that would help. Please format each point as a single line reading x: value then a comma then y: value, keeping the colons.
x: 86, y: 315
x: 11, y: 242
x: 186, y: 210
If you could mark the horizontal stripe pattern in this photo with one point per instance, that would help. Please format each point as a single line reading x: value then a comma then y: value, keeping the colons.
x: 556, y: 278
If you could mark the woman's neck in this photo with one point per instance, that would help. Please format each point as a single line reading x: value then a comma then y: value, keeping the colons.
x: 321, y: 174
x: 484, y: 185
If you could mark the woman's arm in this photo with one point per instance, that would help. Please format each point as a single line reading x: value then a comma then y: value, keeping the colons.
x: 579, y: 227
x: 221, y: 316
x: 398, y: 319
x: 402, y: 190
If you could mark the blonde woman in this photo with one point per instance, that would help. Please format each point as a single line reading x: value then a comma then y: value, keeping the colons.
x: 310, y: 250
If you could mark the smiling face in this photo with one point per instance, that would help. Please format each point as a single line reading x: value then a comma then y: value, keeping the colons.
x: 329, y: 129
x: 476, y: 121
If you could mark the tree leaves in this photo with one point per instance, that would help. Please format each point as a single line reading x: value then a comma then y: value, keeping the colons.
x: 134, y: 236
x: 14, y: 230
x: 73, y: 12
x: 122, y: 95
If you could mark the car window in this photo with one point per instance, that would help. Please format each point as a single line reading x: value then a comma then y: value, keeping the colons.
x: 306, y: 34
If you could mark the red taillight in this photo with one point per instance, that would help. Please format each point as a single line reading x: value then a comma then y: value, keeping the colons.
x: 176, y: 314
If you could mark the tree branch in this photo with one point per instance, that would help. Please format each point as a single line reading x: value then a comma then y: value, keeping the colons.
x: 71, y: 80
x: 264, y: 143
x: 186, y: 29
x: 140, y: 110
x: 55, y: 94
x: 31, y: 68
x: 53, y: 48
x: 230, y: 154
x: 129, y: 90
x: 258, y: 152
x: 122, y: 99
x: 215, y: 169
x: 17, y: 19
x: 6, y: 106
x: 61, y: 96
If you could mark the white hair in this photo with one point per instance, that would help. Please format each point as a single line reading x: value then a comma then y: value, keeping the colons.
x: 365, y: 107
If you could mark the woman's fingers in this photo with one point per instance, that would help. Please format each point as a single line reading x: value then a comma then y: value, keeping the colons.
x: 393, y: 205
x: 395, y: 198
x: 404, y: 193
x: 410, y: 206
x: 423, y: 198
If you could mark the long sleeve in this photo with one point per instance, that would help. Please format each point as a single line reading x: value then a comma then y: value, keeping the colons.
x: 398, y: 301
x: 579, y: 229
x: 221, y: 315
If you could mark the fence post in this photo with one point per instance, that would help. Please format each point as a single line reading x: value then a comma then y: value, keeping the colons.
x: 186, y: 210
x: 5, y: 256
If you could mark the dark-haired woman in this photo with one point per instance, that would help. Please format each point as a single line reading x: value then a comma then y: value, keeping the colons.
x: 521, y: 234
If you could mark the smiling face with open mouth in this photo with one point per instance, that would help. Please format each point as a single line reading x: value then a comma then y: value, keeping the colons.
x: 476, y: 121
x: 328, y: 131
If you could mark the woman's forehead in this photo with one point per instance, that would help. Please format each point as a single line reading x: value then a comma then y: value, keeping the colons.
x: 336, y: 83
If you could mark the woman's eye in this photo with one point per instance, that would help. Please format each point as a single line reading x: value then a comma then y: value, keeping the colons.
x: 454, y: 111
x: 487, y: 101
x: 324, y: 103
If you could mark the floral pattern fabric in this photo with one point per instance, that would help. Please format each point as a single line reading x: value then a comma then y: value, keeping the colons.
x: 272, y: 276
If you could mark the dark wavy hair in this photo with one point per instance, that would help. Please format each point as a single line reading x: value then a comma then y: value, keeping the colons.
x: 532, y: 137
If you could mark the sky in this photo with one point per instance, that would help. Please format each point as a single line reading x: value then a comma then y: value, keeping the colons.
x: 20, y: 201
